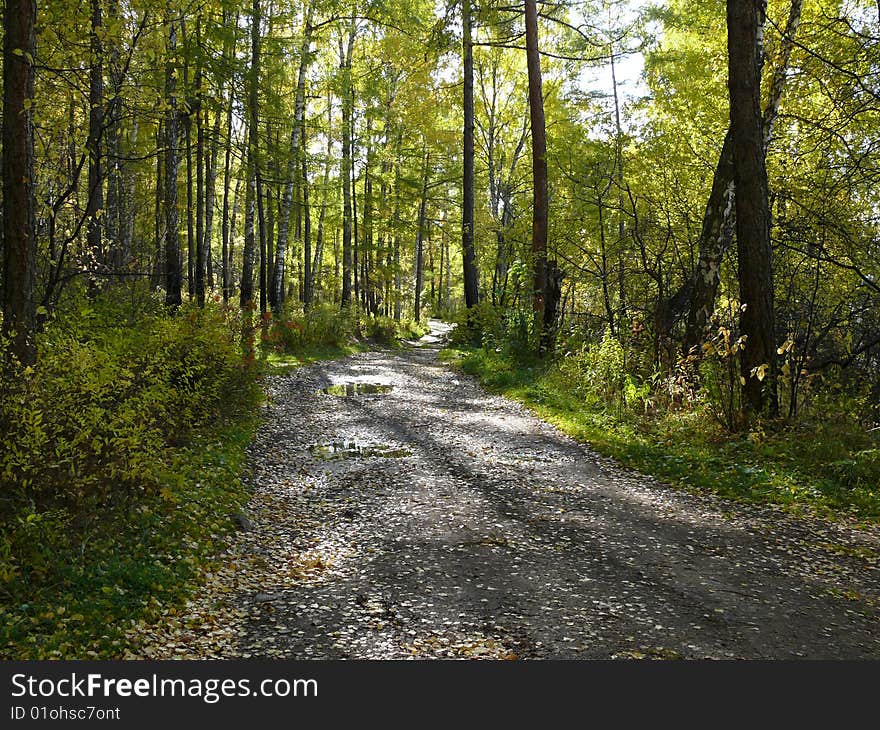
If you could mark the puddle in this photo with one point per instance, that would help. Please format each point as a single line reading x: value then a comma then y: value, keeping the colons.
x: 355, y: 449
x: 352, y: 389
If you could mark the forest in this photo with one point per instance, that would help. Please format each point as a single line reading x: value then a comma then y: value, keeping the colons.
x: 654, y: 224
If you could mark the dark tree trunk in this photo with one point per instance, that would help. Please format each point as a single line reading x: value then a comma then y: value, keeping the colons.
x: 469, y: 259
x: 233, y: 217
x: 345, y: 168
x: 325, y: 194
x: 118, y: 248
x: 172, y: 238
x: 187, y: 135
x: 95, y: 201
x: 159, y: 211
x: 744, y: 21
x: 246, y: 295
x: 355, y: 248
x: 715, y: 238
x: 539, y: 179
x: 367, y: 283
x: 395, y: 253
x: 210, y: 192
x: 420, y: 237
x: 719, y: 222
x: 225, y: 252
x: 308, y: 278
x: 19, y: 206
x: 201, y: 264
x: 261, y: 220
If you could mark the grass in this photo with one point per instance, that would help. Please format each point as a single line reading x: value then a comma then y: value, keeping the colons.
x: 828, y: 468
x: 379, y: 332
x: 89, y: 578
x: 130, y: 561
x: 278, y: 363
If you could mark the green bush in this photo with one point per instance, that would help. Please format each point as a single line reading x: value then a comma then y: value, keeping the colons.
x: 503, y: 329
x: 599, y: 374
x: 122, y: 451
x: 326, y: 325
x: 93, y: 418
x: 322, y: 325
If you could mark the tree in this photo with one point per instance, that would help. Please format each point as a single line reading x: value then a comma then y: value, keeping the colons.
x: 95, y: 200
x: 346, y: 46
x: 754, y: 256
x: 543, y: 312
x: 246, y: 295
x: 718, y: 220
x: 420, y: 238
x: 296, y: 135
x: 19, y: 229
x: 471, y: 277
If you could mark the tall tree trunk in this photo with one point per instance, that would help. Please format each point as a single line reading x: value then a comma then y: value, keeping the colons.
x: 438, y: 302
x: 129, y: 189
x: 447, y: 287
x: 261, y: 220
x: 226, y: 249
x: 539, y: 178
x: 715, y: 239
x: 210, y: 193
x: 305, y: 57
x: 471, y: 278
x: 159, y: 210
x: 95, y: 202
x: 754, y: 255
x: 233, y: 217
x: 395, y: 254
x: 719, y: 223
x: 621, y: 222
x: 308, y: 278
x: 420, y: 238
x: 173, y: 277
x: 19, y: 201
x: 246, y: 295
x: 200, y: 172
x: 355, y: 248
x: 325, y: 194
x: 187, y: 135
x: 345, y: 168
x: 369, y: 299
x: 116, y: 203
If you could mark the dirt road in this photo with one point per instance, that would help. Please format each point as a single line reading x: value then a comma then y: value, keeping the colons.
x: 427, y: 518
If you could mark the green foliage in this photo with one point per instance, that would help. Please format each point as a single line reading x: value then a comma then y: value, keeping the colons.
x: 92, y: 421
x: 326, y: 326
x: 720, y: 377
x: 323, y: 325
x: 508, y: 329
x: 71, y: 587
x: 122, y: 452
x: 837, y: 476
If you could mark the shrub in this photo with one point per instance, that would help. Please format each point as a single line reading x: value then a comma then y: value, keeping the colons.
x: 92, y: 420
x: 598, y: 373
x: 326, y: 325
x: 322, y: 325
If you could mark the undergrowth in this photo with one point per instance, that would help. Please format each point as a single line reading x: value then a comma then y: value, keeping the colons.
x: 827, y: 465
x: 123, y: 451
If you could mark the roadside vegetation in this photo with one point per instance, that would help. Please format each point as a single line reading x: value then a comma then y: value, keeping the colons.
x: 679, y: 425
x: 123, y: 453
